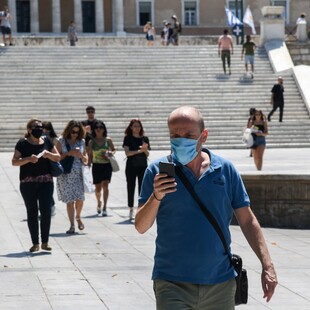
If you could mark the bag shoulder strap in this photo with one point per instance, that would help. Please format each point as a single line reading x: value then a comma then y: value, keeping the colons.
x: 205, y: 211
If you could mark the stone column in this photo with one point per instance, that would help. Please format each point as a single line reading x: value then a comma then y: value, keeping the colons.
x: 272, y: 26
x: 118, y: 17
x: 34, y: 16
x: 56, y: 16
x: 99, y: 16
x: 12, y: 10
x: 78, y: 15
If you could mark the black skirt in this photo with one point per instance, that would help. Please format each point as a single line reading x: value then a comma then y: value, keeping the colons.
x: 101, y: 172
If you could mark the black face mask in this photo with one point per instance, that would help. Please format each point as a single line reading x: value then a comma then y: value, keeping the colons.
x: 37, y: 132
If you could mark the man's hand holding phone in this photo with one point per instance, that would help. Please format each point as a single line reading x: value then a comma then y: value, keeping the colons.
x: 164, y: 182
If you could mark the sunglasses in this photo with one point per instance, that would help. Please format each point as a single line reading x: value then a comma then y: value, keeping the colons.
x: 36, y: 127
x: 90, y: 112
x: 99, y: 127
x: 75, y: 132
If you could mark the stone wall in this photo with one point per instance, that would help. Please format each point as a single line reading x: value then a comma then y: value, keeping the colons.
x: 300, y: 52
x: 280, y: 200
x: 96, y: 40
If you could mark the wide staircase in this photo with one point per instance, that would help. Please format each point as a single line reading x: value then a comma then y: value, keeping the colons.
x: 125, y: 82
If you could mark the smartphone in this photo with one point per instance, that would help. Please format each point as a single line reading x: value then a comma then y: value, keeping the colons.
x: 167, y: 168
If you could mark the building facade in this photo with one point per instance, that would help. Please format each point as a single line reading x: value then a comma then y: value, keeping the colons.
x: 198, y: 17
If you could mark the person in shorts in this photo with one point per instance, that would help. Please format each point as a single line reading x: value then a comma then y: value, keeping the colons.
x: 5, y: 18
x: 248, y: 51
x: 150, y: 33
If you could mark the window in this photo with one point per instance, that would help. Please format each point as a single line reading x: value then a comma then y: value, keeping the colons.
x: 236, y: 7
x: 144, y: 12
x: 283, y: 3
x: 190, y: 12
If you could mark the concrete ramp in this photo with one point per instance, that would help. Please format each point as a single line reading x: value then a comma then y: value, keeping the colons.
x: 302, y: 78
x: 279, y: 56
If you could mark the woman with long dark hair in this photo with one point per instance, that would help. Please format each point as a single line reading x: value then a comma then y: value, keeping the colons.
x: 49, y: 133
x: 70, y: 186
x: 32, y: 155
x: 100, y: 148
x: 136, y: 146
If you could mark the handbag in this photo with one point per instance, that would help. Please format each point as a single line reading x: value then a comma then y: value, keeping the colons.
x: 241, y: 295
x: 247, y: 137
x: 89, y: 187
x: 56, y: 168
x: 67, y: 162
x: 114, y: 164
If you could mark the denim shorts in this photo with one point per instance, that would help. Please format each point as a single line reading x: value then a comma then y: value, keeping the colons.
x: 249, y: 59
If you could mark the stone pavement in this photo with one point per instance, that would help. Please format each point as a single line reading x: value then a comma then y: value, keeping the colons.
x: 108, y: 265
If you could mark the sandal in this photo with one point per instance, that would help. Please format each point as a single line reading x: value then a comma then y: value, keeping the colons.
x: 71, y: 230
x: 80, y: 224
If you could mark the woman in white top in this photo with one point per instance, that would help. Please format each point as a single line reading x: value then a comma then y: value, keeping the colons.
x: 150, y: 33
x: 6, y: 26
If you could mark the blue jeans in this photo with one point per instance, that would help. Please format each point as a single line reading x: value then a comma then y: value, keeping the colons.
x: 38, y: 196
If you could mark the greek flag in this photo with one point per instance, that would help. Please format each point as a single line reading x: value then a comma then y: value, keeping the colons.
x: 231, y: 18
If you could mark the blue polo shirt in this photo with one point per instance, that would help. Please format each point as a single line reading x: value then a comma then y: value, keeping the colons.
x: 188, y: 249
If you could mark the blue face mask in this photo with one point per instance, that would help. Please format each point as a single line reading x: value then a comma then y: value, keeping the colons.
x: 184, y: 150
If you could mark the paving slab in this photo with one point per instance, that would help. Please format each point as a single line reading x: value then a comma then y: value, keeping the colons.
x: 109, y: 265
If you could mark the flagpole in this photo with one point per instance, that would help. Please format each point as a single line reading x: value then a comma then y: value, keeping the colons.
x: 237, y: 15
x: 241, y: 13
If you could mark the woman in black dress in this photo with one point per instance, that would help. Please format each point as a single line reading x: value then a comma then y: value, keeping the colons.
x: 136, y: 147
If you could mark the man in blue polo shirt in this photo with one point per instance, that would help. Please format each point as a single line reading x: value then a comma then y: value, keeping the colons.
x: 192, y: 269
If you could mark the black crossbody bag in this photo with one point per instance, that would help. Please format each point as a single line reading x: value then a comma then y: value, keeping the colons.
x: 241, y: 296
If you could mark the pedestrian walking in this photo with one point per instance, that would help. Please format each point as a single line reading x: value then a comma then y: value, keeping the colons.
x: 225, y: 49
x: 70, y: 186
x: 100, y: 148
x: 49, y: 133
x: 259, y: 125
x: 89, y: 123
x: 248, y: 50
x: 176, y: 30
x: 190, y: 257
x: 136, y: 146
x: 72, y: 35
x: 150, y: 33
x: 6, y: 29
x: 277, y: 99
x: 32, y: 155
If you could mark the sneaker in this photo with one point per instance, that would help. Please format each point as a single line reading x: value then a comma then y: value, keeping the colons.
x: 229, y: 72
x: 131, y: 217
x: 269, y: 119
x: 104, y: 213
